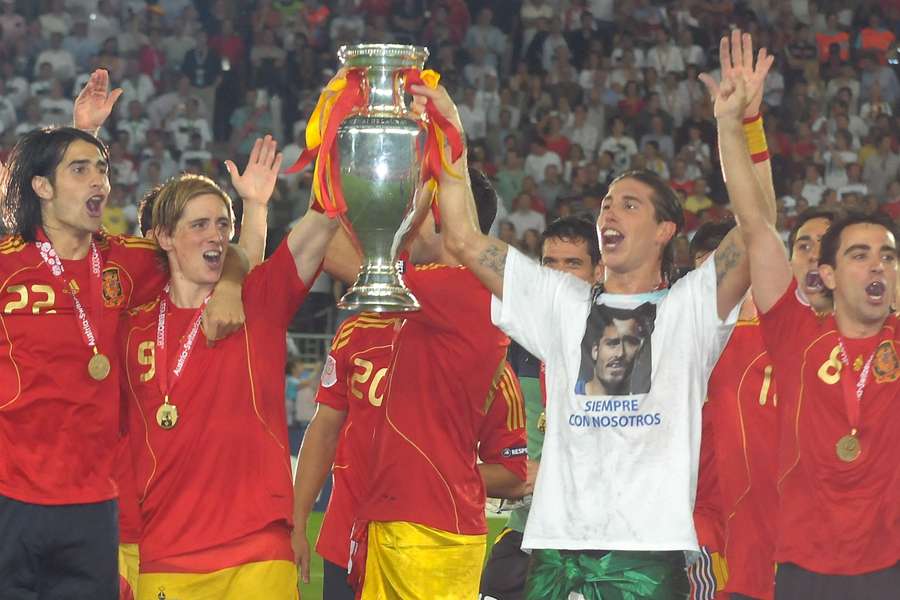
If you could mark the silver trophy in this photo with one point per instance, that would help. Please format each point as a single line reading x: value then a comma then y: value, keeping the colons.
x: 380, y: 148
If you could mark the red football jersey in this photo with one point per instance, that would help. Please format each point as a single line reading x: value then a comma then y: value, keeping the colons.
x: 222, y: 475
x: 835, y: 517
x: 129, y: 511
x: 59, y: 427
x: 446, y: 359
x: 744, y: 421
x: 354, y: 380
x: 708, y: 520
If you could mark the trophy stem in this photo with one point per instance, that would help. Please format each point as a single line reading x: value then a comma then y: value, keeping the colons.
x: 378, y: 288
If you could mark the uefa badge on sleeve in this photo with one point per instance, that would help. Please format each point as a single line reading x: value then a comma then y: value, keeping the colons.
x: 329, y: 372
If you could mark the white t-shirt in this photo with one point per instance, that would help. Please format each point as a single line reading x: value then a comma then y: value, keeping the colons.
x: 618, y: 471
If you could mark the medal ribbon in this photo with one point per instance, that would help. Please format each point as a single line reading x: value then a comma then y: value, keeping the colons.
x: 852, y: 392
x: 89, y: 332
x: 183, y: 354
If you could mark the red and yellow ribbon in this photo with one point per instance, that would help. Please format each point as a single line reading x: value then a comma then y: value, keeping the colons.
x: 346, y: 93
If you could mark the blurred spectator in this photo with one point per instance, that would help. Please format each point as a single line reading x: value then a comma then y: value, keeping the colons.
x: 812, y: 185
x: 81, y: 46
x: 876, y: 38
x: 250, y: 121
x: 510, y: 176
x: 12, y: 24
x: 104, y: 24
x: 881, y: 168
x: 187, y: 123
x: 523, y: 217
x: 537, y: 160
x: 885, y: 77
x: 484, y: 34
x: 698, y: 200
x: 665, y: 56
x: 8, y: 119
x: 56, y: 20
x: 62, y: 60
x: 833, y: 35
x: 620, y: 145
x: 56, y: 108
x: 203, y: 68
x: 152, y: 59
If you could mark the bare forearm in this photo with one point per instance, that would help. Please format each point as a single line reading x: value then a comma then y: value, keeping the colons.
x: 313, y: 466
x: 342, y: 260
x: 500, y: 482
x: 253, y: 231
x: 235, y: 267
x: 768, y: 268
x: 744, y: 191
x: 308, y: 240
x: 763, y: 171
x: 483, y: 255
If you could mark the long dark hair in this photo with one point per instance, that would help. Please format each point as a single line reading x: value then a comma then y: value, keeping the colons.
x: 36, y: 154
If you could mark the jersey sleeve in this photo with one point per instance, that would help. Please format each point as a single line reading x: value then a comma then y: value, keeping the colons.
x: 140, y: 262
x: 502, y: 435
x: 536, y: 300
x: 332, y: 390
x: 274, y: 288
x: 449, y: 296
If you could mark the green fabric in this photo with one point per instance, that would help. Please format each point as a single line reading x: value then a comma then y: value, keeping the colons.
x: 618, y: 575
x: 534, y: 406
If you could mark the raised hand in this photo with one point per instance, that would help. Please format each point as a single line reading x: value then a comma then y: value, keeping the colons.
x: 736, y: 60
x: 257, y: 182
x: 730, y: 100
x: 95, y: 102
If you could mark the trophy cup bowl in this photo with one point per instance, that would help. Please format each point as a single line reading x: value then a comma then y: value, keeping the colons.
x: 380, y: 148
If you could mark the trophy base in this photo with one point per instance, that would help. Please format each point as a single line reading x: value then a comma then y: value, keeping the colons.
x: 379, y: 298
x: 378, y: 288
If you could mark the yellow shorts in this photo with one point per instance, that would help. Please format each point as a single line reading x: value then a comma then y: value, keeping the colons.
x: 129, y: 564
x: 407, y: 561
x: 266, y: 580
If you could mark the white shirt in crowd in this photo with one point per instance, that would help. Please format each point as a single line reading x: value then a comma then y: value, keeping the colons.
x: 525, y: 220
x: 536, y: 166
x: 618, y: 472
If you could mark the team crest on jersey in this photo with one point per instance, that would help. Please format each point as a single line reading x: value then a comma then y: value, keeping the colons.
x: 113, y: 295
x: 329, y: 372
x: 886, y: 365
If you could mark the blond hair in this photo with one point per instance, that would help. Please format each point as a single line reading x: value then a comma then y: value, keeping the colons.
x: 174, y: 195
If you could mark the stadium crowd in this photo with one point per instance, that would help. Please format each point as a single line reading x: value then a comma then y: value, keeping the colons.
x: 558, y: 101
x: 557, y: 98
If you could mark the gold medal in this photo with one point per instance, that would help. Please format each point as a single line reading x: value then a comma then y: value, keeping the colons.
x: 542, y: 422
x: 848, y: 448
x: 98, y: 366
x: 167, y: 415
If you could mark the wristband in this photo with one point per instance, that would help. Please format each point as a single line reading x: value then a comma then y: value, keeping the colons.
x: 756, y: 138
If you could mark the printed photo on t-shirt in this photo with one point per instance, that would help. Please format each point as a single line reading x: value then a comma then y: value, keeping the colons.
x: 615, y: 351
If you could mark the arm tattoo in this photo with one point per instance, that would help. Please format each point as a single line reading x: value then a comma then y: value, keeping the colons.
x: 726, y: 259
x: 494, y: 258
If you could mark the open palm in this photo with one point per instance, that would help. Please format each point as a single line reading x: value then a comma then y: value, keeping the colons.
x: 736, y: 60
x: 257, y: 182
x: 95, y: 102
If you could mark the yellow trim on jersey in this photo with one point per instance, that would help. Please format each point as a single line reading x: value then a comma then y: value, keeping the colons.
x: 259, y: 416
x: 136, y: 242
x: 140, y: 410
x: 12, y: 245
x: 800, y: 406
x: 495, y: 383
x: 435, y: 266
x: 392, y: 368
x: 362, y: 321
x: 9, y: 339
x: 515, y: 414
